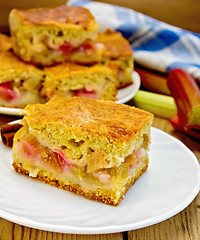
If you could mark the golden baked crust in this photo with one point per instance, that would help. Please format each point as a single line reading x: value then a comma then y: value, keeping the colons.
x: 64, y: 69
x: 5, y: 42
x: 10, y: 63
x: 63, y: 16
x: 117, y: 122
x: 117, y: 52
x: 67, y: 69
x: 115, y: 44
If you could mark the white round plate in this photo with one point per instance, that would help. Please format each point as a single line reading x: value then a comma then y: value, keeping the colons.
x: 123, y: 96
x: 126, y: 94
x: 10, y: 111
x: 169, y: 185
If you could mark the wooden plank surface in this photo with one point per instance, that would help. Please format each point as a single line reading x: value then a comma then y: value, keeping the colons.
x: 180, y: 13
x: 12, y: 231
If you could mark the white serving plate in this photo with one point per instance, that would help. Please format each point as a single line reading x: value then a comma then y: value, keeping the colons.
x: 170, y: 184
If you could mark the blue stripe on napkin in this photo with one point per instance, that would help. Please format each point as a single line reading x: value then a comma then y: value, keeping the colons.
x: 156, y: 45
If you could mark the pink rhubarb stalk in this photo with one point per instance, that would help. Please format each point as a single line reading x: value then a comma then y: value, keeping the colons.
x: 186, y: 93
x: 176, y: 123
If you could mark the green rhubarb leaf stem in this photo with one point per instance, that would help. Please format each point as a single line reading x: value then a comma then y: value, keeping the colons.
x: 158, y: 104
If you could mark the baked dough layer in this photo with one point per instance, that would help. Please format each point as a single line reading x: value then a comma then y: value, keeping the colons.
x: 48, y: 36
x: 95, y: 148
x: 98, y: 195
x: 20, y: 83
x: 117, y: 52
x: 68, y: 79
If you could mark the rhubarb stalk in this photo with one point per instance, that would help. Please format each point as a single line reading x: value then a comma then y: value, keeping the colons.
x: 158, y: 104
x: 153, y: 81
x: 186, y: 93
x: 176, y: 123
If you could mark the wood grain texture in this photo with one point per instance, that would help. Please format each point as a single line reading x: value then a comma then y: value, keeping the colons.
x: 12, y: 231
x: 6, y: 6
x: 5, y: 119
x: 180, y: 13
x: 183, y: 226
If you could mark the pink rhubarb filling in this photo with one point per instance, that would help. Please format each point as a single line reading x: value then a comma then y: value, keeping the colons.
x: 29, y: 150
x: 56, y: 159
x: 88, y: 48
x: 85, y: 93
x: 138, y: 154
x: 7, y: 91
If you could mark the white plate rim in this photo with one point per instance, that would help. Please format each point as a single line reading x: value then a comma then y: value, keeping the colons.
x: 132, y: 89
x: 114, y: 229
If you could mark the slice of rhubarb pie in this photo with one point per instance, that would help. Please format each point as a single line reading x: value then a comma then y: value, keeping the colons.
x: 20, y: 82
x: 70, y: 79
x: 94, y: 148
x: 46, y: 36
x: 117, y: 52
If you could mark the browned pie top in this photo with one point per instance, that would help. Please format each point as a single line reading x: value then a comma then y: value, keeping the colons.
x: 98, y: 117
x: 10, y: 64
x: 115, y: 44
x: 5, y: 42
x: 67, y: 69
x: 61, y: 15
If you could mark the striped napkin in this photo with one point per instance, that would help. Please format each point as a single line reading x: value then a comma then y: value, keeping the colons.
x: 156, y: 45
